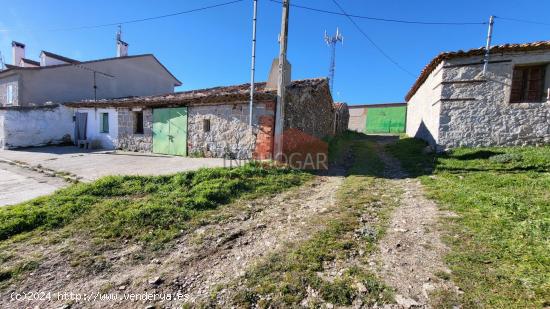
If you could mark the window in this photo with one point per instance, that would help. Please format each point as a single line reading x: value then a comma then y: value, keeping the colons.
x: 104, y: 123
x: 9, y: 95
x: 206, y: 125
x: 138, y: 122
x: 528, y: 84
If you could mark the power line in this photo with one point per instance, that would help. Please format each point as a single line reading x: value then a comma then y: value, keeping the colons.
x: 371, y: 41
x: 402, y: 21
x: 131, y: 21
x: 523, y: 21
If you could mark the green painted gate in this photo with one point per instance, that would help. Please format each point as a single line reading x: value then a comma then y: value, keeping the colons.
x: 386, y: 119
x: 170, y: 131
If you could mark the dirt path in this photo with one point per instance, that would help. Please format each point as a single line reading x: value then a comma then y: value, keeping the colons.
x: 198, y: 262
x: 411, y: 253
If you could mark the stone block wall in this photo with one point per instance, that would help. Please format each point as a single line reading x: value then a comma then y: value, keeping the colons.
x: 127, y: 139
x: 309, y: 108
x: 229, y: 135
x: 341, y: 116
x: 479, y: 113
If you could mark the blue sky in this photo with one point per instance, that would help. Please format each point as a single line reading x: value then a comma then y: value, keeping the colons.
x: 213, y: 47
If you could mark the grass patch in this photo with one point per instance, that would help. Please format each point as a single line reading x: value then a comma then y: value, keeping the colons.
x: 413, y: 155
x: 303, y: 272
x: 500, y: 240
x: 148, y: 209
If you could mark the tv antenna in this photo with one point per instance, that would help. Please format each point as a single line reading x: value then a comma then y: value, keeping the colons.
x: 331, y: 42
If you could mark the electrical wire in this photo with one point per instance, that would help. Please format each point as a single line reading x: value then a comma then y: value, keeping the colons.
x: 371, y: 41
x: 523, y: 21
x: 402, y: 21
x: 131, y: 21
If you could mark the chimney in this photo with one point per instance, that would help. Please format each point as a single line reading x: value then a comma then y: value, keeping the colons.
x: 273, y: 78
x: 121, y: 46
x: 18, y: 52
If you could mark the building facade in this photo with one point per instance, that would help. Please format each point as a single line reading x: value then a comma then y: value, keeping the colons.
x: 213, y: 122
x: 454, y: 104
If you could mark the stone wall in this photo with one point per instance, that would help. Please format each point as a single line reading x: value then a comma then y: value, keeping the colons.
x: 477, y: 112
x: 341, y: 116
x: 35, y: 126
x: 229, y: 135
x: 309, y: 108
x: 127, y: 138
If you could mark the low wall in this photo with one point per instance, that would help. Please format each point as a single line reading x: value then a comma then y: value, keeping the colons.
x: 35, y: 126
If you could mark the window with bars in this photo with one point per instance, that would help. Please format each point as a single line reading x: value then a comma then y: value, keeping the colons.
x: 104, y: 123
x: 528, y: 84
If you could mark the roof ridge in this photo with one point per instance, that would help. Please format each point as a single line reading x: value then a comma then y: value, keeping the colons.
x: 508, y: 47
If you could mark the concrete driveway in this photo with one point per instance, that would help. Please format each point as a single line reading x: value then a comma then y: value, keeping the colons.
x: 90, y: 165
x: 19, y: 184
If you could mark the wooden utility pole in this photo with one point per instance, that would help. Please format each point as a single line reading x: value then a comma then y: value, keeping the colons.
x: 281, y: 84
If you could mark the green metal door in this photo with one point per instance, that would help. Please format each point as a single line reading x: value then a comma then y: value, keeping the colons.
x: 170, y: 131
x: 386, y: 119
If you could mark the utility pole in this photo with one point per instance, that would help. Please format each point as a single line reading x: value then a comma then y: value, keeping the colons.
x: 282, y: 83
x: 488, y: 45
x: 331, y: 42
x: 253, y: 65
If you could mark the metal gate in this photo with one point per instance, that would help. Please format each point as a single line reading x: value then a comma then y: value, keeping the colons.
x: 170, y: 131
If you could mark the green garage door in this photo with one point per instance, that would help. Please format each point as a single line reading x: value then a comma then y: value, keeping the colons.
x: 170, y: 131
x: 386, y: 119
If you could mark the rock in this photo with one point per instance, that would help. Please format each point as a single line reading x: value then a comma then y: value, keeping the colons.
x: 361, y: 287
x: 329, y: 306
x: 405, y: 302
x: 155, y: 280
x: 65, y: 306
x: 156, y: 261
x: 122, y: 287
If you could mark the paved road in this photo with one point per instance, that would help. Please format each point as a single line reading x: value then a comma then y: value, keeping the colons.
x: 20, y: 184
x: 90, y: 165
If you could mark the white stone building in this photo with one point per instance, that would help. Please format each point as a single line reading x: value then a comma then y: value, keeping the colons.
x: 454, y: 104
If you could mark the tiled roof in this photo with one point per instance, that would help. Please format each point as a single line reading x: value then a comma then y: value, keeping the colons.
x: 541, y: 45
x: 225, y: 94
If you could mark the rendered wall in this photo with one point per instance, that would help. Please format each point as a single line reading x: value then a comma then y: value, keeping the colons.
x: 99, y: 139
x: 357, y: 118
x: 423, y: 109
x: 37, y: 126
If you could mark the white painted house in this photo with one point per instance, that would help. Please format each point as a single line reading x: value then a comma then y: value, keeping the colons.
x: 36, y: 86
x: 454, y: 104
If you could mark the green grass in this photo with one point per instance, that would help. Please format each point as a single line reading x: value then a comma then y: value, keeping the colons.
x: 143, y: 208
x: 284, y: 278
x: 501, y: 239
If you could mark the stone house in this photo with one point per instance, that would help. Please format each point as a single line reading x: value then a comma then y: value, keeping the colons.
x: 214, y: 122
x: 30, y: 91
x: 453, y: 104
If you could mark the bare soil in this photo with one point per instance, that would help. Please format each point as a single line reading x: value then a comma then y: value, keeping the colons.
x: 193, y: 266
x: 411, y: 254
